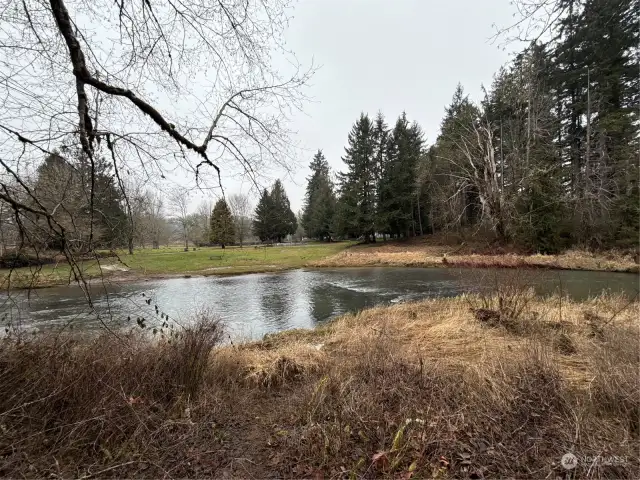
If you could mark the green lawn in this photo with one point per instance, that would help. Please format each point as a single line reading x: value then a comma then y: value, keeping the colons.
x: 212, y: 259
x: 174, y: 260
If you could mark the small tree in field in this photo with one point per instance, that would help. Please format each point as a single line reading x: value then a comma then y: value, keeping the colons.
x: 222, y: 227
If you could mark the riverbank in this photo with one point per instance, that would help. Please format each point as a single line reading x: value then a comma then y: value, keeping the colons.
x: 172, y: 262
x: 471, y: 387
x: 426, y: 253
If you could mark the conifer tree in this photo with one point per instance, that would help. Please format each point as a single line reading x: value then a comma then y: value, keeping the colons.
x: 319, y: 206
x: 380, y: 159
x: 357, y: 185
x: 284, y: 219
x: 222, y: 226
x: 455, y: 204
x: 274, y: 218
x: 263, y: 222
x: 399, y: 204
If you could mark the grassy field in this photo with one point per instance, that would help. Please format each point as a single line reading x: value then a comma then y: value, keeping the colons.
x: 230, y: 260
x: 171, y: 261
x: 492, y: 387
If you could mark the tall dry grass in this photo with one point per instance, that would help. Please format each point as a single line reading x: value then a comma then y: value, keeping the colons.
x: 462, y: 255
x: 423, y: 390
x: 68, y: 404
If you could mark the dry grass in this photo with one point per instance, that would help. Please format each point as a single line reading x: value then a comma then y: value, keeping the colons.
x: 422, y: 389
x: 434, y: 253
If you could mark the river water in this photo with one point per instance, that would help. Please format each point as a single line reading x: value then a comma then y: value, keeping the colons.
x: 252, y: 305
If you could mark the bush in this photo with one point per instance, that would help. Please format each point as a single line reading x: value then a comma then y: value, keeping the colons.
x: 99, y: 399
x: 505, y: 301
x: 21, y: 259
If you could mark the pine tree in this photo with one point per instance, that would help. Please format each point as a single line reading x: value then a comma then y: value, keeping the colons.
x: 541, y: 221
x: 284, y: 219
x: 357, y: 185
x: 263, y: 222
x: 595, y: 77
x: 64, y: 185
x: 222, y: 226
x: 319, y: 206
x: 400, y: 201
x: 108, y: 204
x: 380, y: 159
x: 274, y: 218
x: 324, y: 211
x: 454, y: 204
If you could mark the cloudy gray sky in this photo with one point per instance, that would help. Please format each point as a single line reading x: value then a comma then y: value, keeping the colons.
x: 389, y: 56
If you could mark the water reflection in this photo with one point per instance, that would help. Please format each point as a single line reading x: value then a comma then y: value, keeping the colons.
x: 274, y: 299
x: 322, y: 302
x: 252, y: 305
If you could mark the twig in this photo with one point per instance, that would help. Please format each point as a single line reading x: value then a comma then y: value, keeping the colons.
x: 107, y: 469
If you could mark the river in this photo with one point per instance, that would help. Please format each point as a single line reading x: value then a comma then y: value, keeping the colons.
x: 252, y: 305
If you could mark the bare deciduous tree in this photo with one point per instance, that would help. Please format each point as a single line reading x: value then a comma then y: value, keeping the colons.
x: 203, y: 221
x: 152, y: 87
x: 241, y: 208
x: 179, y: 204
x: 149, y: 224
x: 481, y: 174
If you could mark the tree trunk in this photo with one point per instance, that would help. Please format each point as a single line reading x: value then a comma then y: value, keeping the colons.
x: 587, y: 159
x: 420, y: 218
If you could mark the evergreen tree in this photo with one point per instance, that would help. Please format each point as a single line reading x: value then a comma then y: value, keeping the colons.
x: 319, y: 206
x: 274, y: 218
x: 357, y: 185
x: 284, y: 219
x: 263, y: 222
x: 380, y: 159
x: 455, y: 203
x: 324, y: 211
x: 222, y: 225
x: 549, y: 158
x: 64, y: 186
x: 400, y: 202
x: 541, y: 220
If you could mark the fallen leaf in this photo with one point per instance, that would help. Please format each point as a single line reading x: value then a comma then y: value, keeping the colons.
x: 380, y: 459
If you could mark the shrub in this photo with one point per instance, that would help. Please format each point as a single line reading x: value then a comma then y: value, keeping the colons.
x: 99, y: 399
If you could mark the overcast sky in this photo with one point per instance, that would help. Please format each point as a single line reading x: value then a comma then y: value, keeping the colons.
x: 390, y: 56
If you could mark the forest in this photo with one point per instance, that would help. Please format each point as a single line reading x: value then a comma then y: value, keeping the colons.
x: 548, y: 159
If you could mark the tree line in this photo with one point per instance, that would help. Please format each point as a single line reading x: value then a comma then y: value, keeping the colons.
x: 546, y: 160
x: 123, y: 214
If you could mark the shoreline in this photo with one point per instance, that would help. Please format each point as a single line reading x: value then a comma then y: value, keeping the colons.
x: 359, y: 257
x: 438, y: 256
x: 138, y: 277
